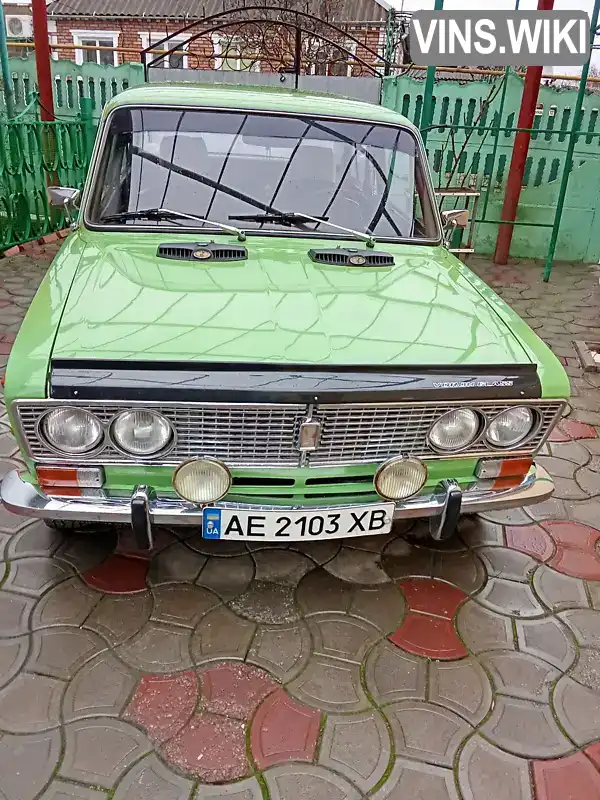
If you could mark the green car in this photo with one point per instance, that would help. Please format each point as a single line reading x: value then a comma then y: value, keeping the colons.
x: 256, y: 328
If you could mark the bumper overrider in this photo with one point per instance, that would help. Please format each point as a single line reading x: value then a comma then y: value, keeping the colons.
x: 143, y: 510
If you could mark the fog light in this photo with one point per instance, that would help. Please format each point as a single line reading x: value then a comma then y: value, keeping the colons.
x: 400, y: 478
x: 202, y: 480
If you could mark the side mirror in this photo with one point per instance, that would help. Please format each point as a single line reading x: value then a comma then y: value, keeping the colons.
x: 64, y: 197
x: 455, y: 218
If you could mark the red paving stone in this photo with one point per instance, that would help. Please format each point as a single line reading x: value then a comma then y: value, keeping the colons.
x: 569, y: 778
x: 569, y: 429
x: 5, y: 348
x: 234, y: 689
x: 530, y: 539
x: 576, y: 563
x: 118, y: 575
x: 572, y: 534
x: 576, y: 553
x: 593, y: 752
x: 429, y: 636
x: 432, y: 596
x: 284, y: 730
x: 213, y: 748
x: 162, y: 704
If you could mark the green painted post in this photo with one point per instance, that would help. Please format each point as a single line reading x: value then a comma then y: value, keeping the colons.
x: 496, y: 137
x: 571, y: 147
x: 89, y: 132
x: 427, y: 114
x: 6, y: 77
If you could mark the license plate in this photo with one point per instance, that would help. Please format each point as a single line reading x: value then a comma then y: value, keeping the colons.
x: 279, y: 526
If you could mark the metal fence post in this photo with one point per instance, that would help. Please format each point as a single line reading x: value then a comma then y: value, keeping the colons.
x: 87, y: 121
x: 427, y: 114
x: 573, y: 136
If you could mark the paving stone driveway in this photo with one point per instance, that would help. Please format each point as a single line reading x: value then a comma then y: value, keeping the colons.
x: 386, y: 667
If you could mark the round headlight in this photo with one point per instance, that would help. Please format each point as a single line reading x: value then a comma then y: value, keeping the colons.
x: 202, y: 481
x: 455, y: 430
x: 510, y: 427
x: 72, y: 430
x: 400, y: 478
x: 140, y: 432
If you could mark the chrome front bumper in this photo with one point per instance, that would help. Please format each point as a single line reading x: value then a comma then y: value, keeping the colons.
x: 23, y: 498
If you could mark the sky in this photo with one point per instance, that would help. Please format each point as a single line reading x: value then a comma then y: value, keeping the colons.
x: 499, y: 5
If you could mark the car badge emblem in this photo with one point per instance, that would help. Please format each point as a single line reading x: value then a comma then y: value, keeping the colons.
x: 202, y: 254
x: 308, y: 435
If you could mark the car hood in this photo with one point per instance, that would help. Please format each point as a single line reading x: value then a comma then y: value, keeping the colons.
x: 277, y: 306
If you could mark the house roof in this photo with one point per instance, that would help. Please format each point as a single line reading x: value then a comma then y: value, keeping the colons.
x: 352, y: 10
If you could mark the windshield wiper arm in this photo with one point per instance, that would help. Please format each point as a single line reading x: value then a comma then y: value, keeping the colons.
x: 166, y: 214
x: 297, y: 216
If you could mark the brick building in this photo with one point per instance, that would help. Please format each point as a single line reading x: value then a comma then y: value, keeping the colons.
x: 130, y: 26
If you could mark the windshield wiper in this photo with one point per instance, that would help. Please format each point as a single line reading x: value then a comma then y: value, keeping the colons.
x: 289, y: 217
x: 166, y: 214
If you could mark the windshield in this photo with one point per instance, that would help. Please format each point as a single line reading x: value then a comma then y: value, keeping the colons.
x: 231, y: 166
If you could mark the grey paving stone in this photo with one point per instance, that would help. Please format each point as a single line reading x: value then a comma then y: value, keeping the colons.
x: 425, y: 732
x: 4, y: 537
x: 567, y: 489
x: 221, y: 634
x: 182, y: 604
x: 585, y: 511
x: 60, y: 790
x: 210, y: 547
x: 30, y: 704
x: 320, y: 591
x: 587, y: 669
x: 8, y: 445
x: 60, y: 652
x: 510, y: 516
x: 462, y: 686
x: 330, y: 685
x: 267, y: 602
x: 119, y: 617
x: 558, y: 467
x: 176, y: 563
x: 277, y: 565
x: 475, y: 532
x: 589, y: 481
x: 15, y: 613
x: 247, y: 789
x: 383, y: 606
x: 358, y: 746
x: 100, y: 688
x: 559, y: 591
x: 35, y: 540
x: 578, y: 710
x: 88, y: 549
x: 342, y: 637
x: 309, y: 783
x: 13, y: 654
x: 372, y: 544
x: 547, y: 639
x: 510, y: 598
x: 482, y: 629
x: 158, y: 648
x: 403, y: 560
x: 357, y: 566
x: 34, y: 576
x: 151, y: 779
x: 585, y: 625
x: 485, y: 772
x: 282, y: 650
x: 524, y: 728
x: 392, y: 674
x: 319, y: 552
x: 27, y: 763
x: 69, y: 603
x: 99, y: 751
x: 521, y: 675
x: 410, y: 779
x: 227, y: 577
x: 500, y: 562
x: 549, y: 509
x: 464, y: 570
x: 11, y: 523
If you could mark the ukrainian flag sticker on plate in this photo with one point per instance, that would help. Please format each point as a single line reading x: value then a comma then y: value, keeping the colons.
x: 211, y: 523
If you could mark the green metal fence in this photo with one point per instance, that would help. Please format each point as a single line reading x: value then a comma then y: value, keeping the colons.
x: 34, y: 155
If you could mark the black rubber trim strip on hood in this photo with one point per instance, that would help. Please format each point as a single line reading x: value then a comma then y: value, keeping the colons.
x: 97, y: 379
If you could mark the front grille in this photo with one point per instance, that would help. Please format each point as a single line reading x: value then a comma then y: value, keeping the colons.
x: 257, y: 435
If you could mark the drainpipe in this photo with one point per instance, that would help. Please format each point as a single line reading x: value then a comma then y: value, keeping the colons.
x: 9, y: 98
x: 42, y: 59
x: 427, y: 115
x: 514, y: 183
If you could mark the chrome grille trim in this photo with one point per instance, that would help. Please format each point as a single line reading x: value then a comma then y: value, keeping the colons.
x: 256, y: 435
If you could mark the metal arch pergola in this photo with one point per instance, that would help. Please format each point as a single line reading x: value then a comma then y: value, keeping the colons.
x: 573, y: 136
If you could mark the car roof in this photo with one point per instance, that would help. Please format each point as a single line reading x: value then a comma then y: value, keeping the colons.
x: 261, y: 98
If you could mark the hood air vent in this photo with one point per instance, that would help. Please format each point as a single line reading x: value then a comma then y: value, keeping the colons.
x: 345, y: 257
x: 202, y: 252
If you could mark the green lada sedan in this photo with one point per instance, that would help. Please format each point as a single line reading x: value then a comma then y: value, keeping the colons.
x: 255, y: 328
